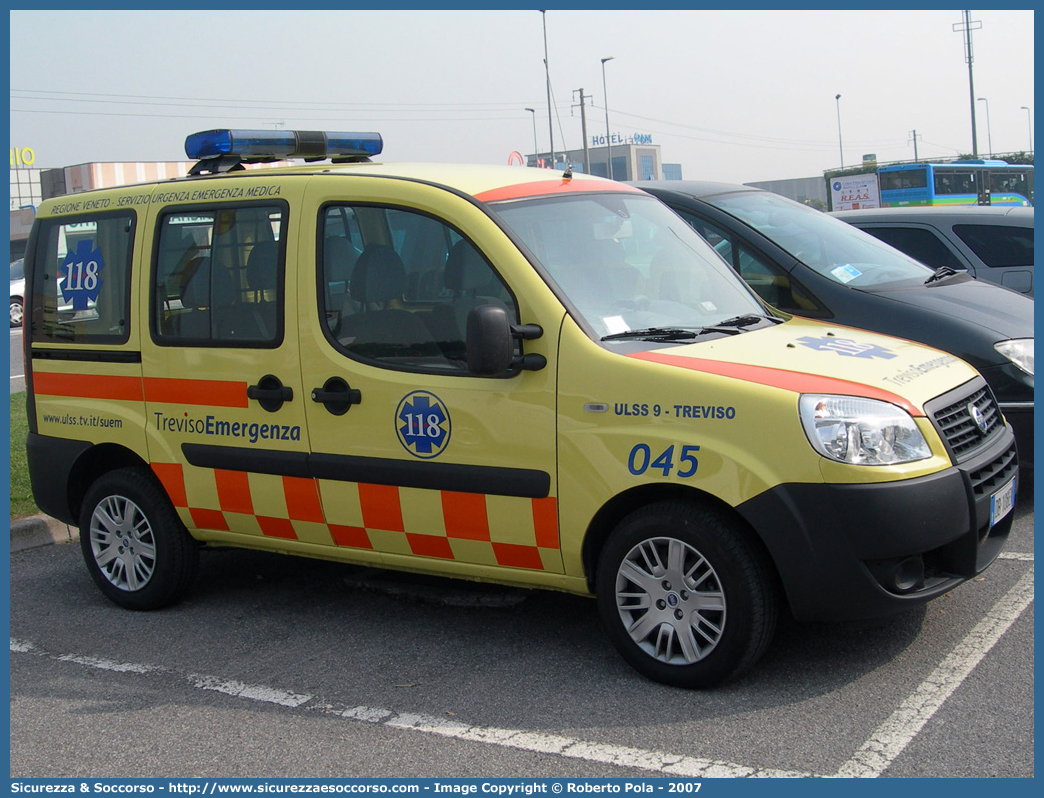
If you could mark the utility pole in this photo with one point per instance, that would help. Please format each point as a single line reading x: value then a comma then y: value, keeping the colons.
x: 608, y: 135
x: 913, y: 135
x: 583, y: 129
x: 967, y: 27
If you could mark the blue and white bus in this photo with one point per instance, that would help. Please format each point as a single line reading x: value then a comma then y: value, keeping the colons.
x: 982, y: 182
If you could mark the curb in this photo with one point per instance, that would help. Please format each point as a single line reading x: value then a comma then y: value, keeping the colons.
x: 40, y: 530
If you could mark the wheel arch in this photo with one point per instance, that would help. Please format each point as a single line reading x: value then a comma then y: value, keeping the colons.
x: 94, y: 463
x: 623, y: 504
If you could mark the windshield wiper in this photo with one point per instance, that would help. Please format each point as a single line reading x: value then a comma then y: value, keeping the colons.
x: 658, y: 333
x: 941, y: 273
x: 736, y: 323
x: 730, y: 326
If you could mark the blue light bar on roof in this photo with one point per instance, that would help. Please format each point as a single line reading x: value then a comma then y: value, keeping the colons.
x: 276, y: 145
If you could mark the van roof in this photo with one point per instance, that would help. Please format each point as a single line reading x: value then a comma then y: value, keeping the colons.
x: 487, y: 183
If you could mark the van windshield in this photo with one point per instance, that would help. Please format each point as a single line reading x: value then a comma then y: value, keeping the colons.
x: 626, y: 263
x: 827, y: 245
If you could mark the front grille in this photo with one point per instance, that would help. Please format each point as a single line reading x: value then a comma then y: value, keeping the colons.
x: 995, y: 474
x: 959, y: 426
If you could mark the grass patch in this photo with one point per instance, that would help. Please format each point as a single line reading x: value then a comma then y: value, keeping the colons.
x: 22, y: 503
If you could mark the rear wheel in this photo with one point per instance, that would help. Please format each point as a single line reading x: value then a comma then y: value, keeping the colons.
x: 688, y: 598
x: 136, y: 548
x: 16, y: 311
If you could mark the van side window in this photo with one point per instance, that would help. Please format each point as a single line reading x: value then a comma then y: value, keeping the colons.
x: 919, y: 244
x: 81, y: 278
x: 998, y: 246
x: 397, y: 287
x: 218, y: 277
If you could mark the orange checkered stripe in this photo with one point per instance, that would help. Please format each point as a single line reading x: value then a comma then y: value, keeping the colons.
x: 466, y: 527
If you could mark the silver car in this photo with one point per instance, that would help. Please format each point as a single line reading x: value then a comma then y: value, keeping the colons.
x: 17, y: 291
x: 990, y: 243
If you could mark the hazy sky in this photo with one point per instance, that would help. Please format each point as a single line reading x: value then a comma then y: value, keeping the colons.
x: 737, y: 96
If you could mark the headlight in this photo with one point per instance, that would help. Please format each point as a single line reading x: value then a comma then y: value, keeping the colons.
x: 1019, y: 351
x: 861, y: 431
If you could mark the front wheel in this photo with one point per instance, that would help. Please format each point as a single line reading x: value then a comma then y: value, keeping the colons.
x: 687, y: 596
x: 136, y: 548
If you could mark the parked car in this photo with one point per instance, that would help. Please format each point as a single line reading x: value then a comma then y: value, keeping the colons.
x: 989, y: 242
x: 17, y: 291
x: 808, y: 263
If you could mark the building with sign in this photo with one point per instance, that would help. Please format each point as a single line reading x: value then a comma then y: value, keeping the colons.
x: 634, y: 157
x: 26, y: 194
x: 25, y: 187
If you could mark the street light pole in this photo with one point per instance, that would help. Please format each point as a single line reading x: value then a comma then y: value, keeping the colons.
x: 547, y: 73
x: 536, y: 149
x: 837, y: 99
x: 989, y: 133
x: 1029, y: 124
x: 608, y: 139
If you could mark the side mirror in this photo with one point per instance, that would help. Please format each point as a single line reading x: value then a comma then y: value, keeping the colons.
x: 491, y: 342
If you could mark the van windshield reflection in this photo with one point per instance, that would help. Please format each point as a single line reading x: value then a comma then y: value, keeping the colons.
x: 629, y: 267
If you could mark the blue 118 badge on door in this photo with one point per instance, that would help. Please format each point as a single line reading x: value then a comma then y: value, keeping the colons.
x: 422, y: 423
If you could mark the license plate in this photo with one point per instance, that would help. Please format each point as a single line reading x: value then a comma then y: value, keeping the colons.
x: 1002, y: 501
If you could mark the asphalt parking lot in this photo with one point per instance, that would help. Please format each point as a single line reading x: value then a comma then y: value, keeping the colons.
x: 283, y: 667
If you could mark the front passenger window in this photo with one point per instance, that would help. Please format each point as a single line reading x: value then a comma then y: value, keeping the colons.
x: 397, y: 287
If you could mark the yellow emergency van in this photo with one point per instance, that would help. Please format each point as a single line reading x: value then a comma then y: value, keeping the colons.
x: 515, y: 375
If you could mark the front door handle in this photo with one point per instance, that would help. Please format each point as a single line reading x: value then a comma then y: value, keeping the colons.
x: 270, y: 393
x: 337, y: 396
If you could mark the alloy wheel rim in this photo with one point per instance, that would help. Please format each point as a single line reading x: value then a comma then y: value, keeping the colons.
x: 671, y: 601
x: 123, y: 543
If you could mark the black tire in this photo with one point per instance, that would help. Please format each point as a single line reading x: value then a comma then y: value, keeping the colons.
x: 687, y: 597
x: 17, y: 309
x: 136, y: 548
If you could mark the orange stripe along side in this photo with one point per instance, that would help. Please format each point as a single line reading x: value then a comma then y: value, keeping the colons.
x: 88, y: 386
x: 213, y: 393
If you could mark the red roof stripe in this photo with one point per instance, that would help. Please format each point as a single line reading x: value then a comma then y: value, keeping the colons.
x: 550, y: 187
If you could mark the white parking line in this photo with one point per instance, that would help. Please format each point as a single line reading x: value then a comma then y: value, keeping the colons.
x: 268, y: 695
x: 892, y: 736
x: 1017, y: 555
x: 872, y: 759
x: 559, y: 745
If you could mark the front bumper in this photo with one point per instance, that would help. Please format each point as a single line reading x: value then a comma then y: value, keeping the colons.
x: 860, y: 551
x: 1020, y: 416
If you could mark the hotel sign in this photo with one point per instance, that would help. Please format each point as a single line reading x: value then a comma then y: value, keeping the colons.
x: 616, y: 138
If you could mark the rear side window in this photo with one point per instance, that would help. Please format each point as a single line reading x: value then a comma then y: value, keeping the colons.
x: 81, y: 279
x: 218, y: 277
x: 919, y: 244
x: 998, y: 246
